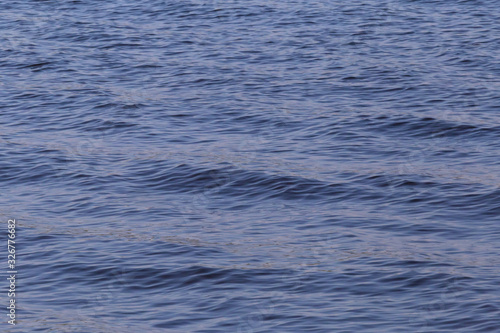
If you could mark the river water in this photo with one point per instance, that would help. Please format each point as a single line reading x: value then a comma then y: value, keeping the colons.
x: 252, y: 166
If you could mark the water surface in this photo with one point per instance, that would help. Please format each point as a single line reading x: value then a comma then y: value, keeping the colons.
x: 257, y: 166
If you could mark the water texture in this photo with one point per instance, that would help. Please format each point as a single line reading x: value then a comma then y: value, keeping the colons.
x: 252, y: 166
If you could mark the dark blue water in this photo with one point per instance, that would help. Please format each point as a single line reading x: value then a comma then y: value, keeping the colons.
x: 252, y: 166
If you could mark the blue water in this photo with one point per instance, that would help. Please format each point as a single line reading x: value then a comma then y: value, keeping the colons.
x: 252, y: 166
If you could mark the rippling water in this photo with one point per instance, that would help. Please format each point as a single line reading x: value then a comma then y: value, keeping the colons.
x: 257, y: 166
